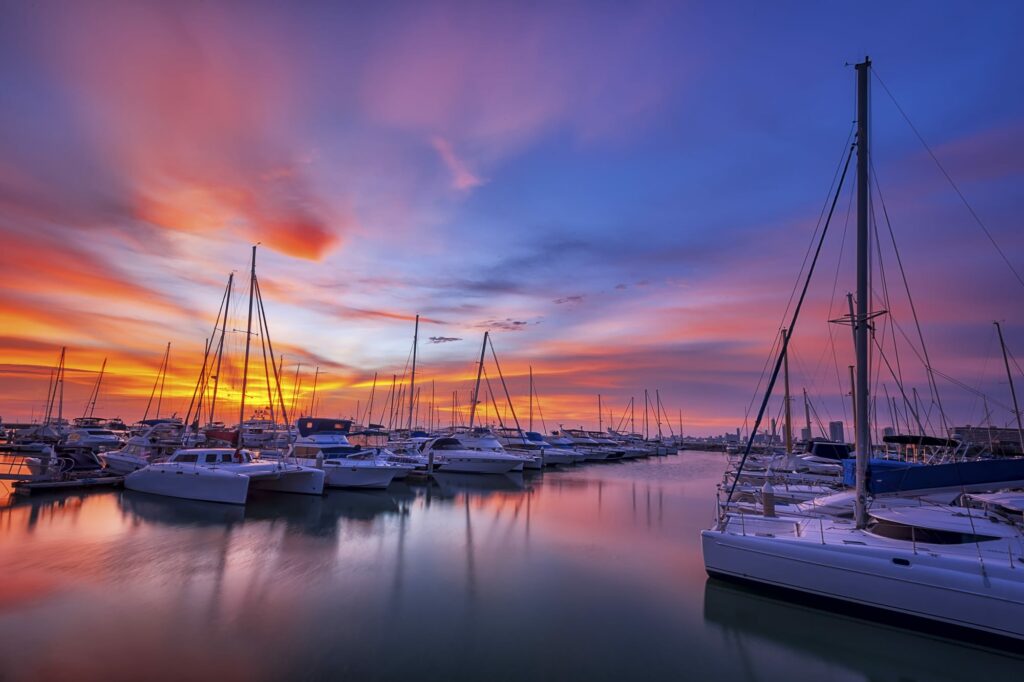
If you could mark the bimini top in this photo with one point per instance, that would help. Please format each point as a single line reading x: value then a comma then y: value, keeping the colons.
x: 922, y: 441
x: 309, y: 425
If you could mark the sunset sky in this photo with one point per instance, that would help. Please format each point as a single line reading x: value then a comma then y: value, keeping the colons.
x: 622, y: 193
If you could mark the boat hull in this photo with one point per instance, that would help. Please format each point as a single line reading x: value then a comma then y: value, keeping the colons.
x: 121, y: 464
x: 473, y: 465
x: 349, y: 476
x: 190, y: 483
x: 951, y: 590
x: 294, y: 479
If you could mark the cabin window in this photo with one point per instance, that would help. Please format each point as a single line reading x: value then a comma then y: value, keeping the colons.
x: 187, y: 458
x: 931, y: 536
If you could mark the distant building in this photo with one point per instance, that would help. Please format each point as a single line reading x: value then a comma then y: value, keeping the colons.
x: 805, y: 434
x: 1000, y: 440
x: 888, y: 431
x: 836, y: 432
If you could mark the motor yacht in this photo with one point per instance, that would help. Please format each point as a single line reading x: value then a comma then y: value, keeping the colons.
x: 324, y: 443
x: 451, y: 455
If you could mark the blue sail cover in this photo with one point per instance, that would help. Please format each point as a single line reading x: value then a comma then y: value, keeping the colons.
x: 886, y: 477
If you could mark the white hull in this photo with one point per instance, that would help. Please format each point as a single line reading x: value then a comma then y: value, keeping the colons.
x: 551, y: 458
x: 190, y: 483
x: 950, y: 589
x: 122, y: 464
x: 293, y: 479
x: 344, y: 476
x: 478, y: 465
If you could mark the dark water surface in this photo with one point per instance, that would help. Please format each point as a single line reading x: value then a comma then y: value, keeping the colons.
x: 593, y: 573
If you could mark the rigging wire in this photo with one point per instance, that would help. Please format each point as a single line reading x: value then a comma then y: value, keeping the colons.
x: 791, y: 327
x: 817, y: 227
x: 932, y: 386
x: 970, y: 209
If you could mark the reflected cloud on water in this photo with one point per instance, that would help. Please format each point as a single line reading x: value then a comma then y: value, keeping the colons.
x: 590, y: 573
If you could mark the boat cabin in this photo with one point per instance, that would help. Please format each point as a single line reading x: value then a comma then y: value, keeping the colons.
x: 211, y: 456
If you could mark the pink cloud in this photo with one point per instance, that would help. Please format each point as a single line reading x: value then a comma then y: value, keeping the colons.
x: 462, y: 178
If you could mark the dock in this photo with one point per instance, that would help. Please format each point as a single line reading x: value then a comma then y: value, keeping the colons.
x: 27, y: 487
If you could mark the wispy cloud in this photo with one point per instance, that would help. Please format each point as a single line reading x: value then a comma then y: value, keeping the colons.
x: 462, y: 178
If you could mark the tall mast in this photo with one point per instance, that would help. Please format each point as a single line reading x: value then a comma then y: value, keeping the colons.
x: 1013, y: 391
x: 785, y: 374
x: 60, y: 380
x: 412, y: 377
x: 163, y: 379
x: 476, y: 389
x: 599, y: 424
x: 90, y: 408
x: 248, y: 341
x: 657, y: 410
x: 312, y: 399
x: 369, y: 407
x: 647, y: 431
x: 807, y: 414
x: 295, y: 387
x: 531, y: 397
x: 863, y: 294
x: 220, y: 344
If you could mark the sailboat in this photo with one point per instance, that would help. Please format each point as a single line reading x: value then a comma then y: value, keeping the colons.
x: 954, y: 566
x: 227, y: 474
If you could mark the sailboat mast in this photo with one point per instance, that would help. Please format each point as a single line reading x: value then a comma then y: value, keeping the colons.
x: 785, y: 374
x: 369, y: 407
x: 220, y: 343
x: 312, y: 400
x: 248, y: 342
x: 647, y: 430
x: 863, y: 294
x: 60, y: 379
x: 96, y: 390
x: 1013, y: 391
x: 657, y: 410
x: 599, y: 424
x: 163, y: 379
x: 412, y: 377
x: 531, y: 397
x: 807, y: 414
x: 476, y: 389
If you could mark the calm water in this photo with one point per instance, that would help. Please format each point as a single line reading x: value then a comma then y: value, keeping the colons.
x: 592, y: 573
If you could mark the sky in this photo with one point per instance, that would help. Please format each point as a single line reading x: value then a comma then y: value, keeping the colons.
x: 621, y: 193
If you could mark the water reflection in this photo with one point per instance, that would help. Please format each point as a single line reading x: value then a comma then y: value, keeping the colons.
x: 589, y: 573
x: 748, y: 620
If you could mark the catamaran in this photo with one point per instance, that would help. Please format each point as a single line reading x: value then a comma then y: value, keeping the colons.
x: 222, y: 475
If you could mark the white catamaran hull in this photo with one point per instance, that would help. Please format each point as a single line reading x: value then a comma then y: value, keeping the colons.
x: 954, y: 590
x: 293, y: 479
x: 190, y: 483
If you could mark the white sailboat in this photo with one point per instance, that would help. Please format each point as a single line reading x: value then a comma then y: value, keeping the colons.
x: 955, y: 566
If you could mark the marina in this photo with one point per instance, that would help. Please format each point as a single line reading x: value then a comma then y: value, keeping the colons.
x: 520, y: 573
x: 511, y: 341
